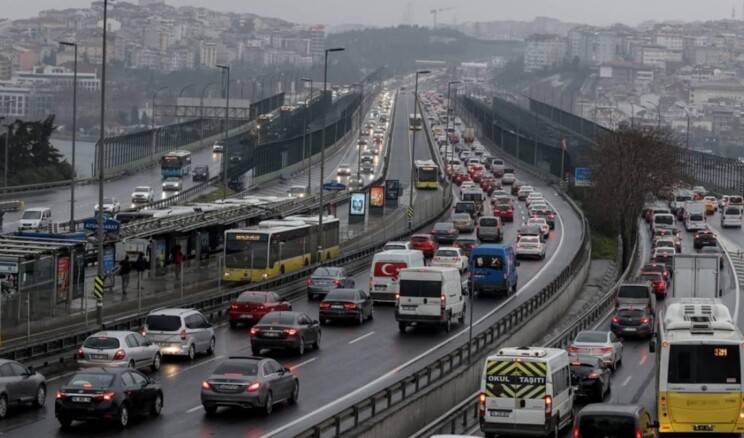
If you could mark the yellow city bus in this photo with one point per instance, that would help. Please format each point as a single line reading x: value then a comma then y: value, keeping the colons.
x: 699, y: 368
x: 277, y: 247
x: 427, y: 174
x: 414, y: 122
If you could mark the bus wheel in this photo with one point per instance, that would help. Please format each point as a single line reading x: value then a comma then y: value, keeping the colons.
x: 281, y: 269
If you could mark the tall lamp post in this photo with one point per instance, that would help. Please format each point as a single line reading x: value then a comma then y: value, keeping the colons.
x: 201, y: 111
x: 74, y: 129
x: 413, y: 143
x: 322, y: 149
x: 687, y: 136
x: 7, y: 142
x: 152, y: 121
x: 449, y: 153
x: 180, y: 94
x: 225, y: 68
x: 308, y: 109
x: 101, y: 151
x: 361, y: 116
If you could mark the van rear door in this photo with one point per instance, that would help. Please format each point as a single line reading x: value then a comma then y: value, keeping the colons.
x: 422, y: 295
x: 515, y: 391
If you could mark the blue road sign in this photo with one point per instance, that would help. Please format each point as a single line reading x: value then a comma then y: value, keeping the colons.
x: 583, y: 177
x: 334, y: 185
x: 109, y: 225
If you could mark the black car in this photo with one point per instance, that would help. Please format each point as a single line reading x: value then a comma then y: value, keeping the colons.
x: 705, y: 238
x: 346, y: 304
x: 516, y: 185
x: 632, y: 322
x: 530, y: 230
x: 591, y: 377
x: 236, y: 158
x: 285, y: 331
x: 200, y: 173
x: 444, y: 232
x: 107, y: 394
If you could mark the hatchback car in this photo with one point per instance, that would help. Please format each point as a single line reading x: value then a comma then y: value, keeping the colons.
x: 180, y: 332
x: 596, y: 419
x: 20, y: 385
x: 348, y: 305
x: 172, y: 183
x: 397, y: 245
x: 632, y: 322
x: 110, y: 205
x: 450, y: 256
x: 249, y: 383
x: 542, y: 223
x: 590, y: 377
x: 463, y: 222
x: 200, y: 173
x: 285, y: 331
x: 425, y: 243
x: 705, y: 238
x: 524, y: 192
x: 119, y: 349
x: 603, y: 345
x: 508, y: 178
x: 326, y: 278
x: 658, y: 282
x: 504, y: 211
x: 444, y: 232
x: 251, y: 306
x: 534, y: 197
x: 107, y: 394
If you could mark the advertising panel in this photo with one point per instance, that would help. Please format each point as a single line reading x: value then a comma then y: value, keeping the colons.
x: 391, y: 189
x: 357, y: 206
x: 63, y: 279
x: 377, y: 197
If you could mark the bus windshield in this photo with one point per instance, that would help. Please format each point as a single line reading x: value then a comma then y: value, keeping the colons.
x: 428, y: 174
x: 246, y: 250
x: 700, y: 364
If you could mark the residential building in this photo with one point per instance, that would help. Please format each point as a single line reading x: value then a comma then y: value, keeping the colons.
x: 57, y: 77
x: 727, y: 88
x: 711, y: 55
x: 592, y: 46
x: 6, y: 68
x: 626, y: 72
x: 24, y: 102
x: 670, y: 41
x: 543, y: 52
x: 207, y: 54
x: 659, y: 56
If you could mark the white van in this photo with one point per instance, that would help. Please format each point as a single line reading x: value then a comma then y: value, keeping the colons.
x: 662, y: 220
x: 383, y: 274
x: 695, y: 216
x: 731, y: 216
x: 526, y: 390
x: 35, y: 219
x: 430, y: 295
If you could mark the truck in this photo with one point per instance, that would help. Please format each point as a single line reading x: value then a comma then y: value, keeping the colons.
x: 696, y: 276
x: 469, y: 135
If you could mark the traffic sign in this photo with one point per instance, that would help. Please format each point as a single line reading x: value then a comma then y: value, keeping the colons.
x: 98, y: 287
x: 8, y: 267
x: 410, y: 212
x: 334, y: 185
x: 109, y: 225
x: 583, y: 177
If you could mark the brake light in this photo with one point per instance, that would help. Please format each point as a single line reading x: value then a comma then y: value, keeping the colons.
x: 638, y: 433
x: 350, y: 306
x: 336, y: 282
x: 576, y: 432
x: 519, y: 245
x: 183, y: 334
x: 437, y: 258
x: 593, y: 375
x: 290, y: 332
x: 234, y: 306
x: 106, y: 396
x: 205, y: 385
x: 645, y: 320
x: 548, y: 406
x: 443, y: 302
x: 255, y: 330
x: 119, y: 355
x: 457, y: 258
x: 325, y: 305
x: 605, y: 350
x: 649, y: 304
x: 572, y: 349
x: 450, y: 231
x: 309, y: 281
x: 253, y: 387
x: 482, y: 404
x: 615, y: 319
x: 80, y: 354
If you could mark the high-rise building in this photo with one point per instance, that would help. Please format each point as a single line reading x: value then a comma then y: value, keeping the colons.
x: 207, y: 54
x: 544, y: 51
x: 592, y: 46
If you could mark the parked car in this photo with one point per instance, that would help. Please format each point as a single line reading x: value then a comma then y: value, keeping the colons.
x: 19, y: 386
x: 285, y: 331
x: 251, y: 306
x: 119, y: 349
x: 249, y: 382
x: 346, y: 304
x: 326, y: 278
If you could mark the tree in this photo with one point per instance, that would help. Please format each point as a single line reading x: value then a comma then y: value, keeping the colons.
x: 627, y: 166
x: 145, y: 119
x: 134, y: 117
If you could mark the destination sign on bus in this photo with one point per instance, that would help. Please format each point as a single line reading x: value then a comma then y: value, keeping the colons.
x: 171, y: 158
x: 428, y: 168
x: 251, y: 237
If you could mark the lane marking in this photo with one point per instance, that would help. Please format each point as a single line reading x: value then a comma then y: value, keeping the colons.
x: 304, y: 363
x: 362, y: 337
x: 627, y: 379
x: 52, y: 379
x: 175, y: 373
x: 426, y: 353
x: 194, y: 409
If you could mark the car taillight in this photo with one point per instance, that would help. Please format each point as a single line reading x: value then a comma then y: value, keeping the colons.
x: 336, y: 282
x: 119, y: 355
x: 482, y: 404
x: 572, y: 349
x: 457, y: 259
x: 593, y: 375
x: 290, y: 332
x: 548, y: 406
x: 397, y: 299
x: 80, y: 354
x: 61, y: 395
x: 645, y: 320
x: 576, y: 432
x: 443, y: 302
x: 437, y: 258
x: 183, y: 334
x: 309, y: 281
x: 605, y: 350
x: 255, y: 330
x: 350, y: 306
x: 638, y: 433
x: 519, y: 245
x: 234, y: 306
x: 325, y: 305
x: 106, y: 396
x: 616, y: 319
x: 205, y: 385
x: 253, y: 387
x: 450, y: 231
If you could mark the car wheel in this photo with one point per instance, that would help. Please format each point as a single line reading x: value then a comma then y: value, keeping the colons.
x: 233, y: 324
x: 192, y: 352
x: 64, y: 422
x: 210, y: 409
x: 360, y: 319
x: 131, y: 365
x: 295, y: 393
x: 402, y: 326
x: 157, y: 405
x: 269, y: 404
x: 301, y: 347
x: 40, y: 396
x: 156, y: 362
x: 212, y: 343
x: 256, y: 351
x: 461, y: 319
x: 372, y: 313
x: 123, y: 416
x: 316, y: 344
x: 448, y: 325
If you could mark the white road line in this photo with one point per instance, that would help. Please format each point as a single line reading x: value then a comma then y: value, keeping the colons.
x: 426, y: 353
x: 52, y: 379
x: 627, y: 379
x: 362, y: 337
x: 194, y: 409
x: 175, y: 373
x: 303, y: 363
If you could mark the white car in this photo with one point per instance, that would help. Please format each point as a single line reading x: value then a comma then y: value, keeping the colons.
x: 542, y: 223
x: 218, y: 147
x: 343, y: 170
x: 397, y: 245
x: 172, y: 184
x: 530, y: 246
x: 297, y: 191
x: 524, y: 192
x: 143, y: 195
x: 508, y: 178
x: 451, y: 257
x: 604, y: 345
x: 110, y: 205
x: 467, y: 185
x: 533, y: 197
x: 119, y: 349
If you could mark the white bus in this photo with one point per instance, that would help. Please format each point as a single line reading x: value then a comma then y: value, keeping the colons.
x: 699, y: 368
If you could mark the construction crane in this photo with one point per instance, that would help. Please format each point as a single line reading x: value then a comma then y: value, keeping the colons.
x: 434, y: 12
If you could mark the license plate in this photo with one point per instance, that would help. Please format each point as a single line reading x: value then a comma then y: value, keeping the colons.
x: 380, y: 287
x: 630, y: 329
x: 229, y: 387
x: 499, y: 413
x: 81, y: 399
x: 408, y: 307
x: 244, y: 316
x: 702, y: 427
x: 98, y: 356
x: 337, y: 306
x: 271, y: 334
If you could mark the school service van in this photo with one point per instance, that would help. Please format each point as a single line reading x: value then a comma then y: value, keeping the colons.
x: 383, y: 274
x: 526, y: 391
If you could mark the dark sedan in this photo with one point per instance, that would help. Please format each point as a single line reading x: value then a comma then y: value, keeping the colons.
x: 590, y: 376
x: 348, y: 305
x: 632, y: 322
x: 285, y: 331
x: 114, y: 394
x: 705, y: 238
x: 325, y: 279
x: 444, y: 232
x: 19, y: 385
x: 200, y: 173
x: 466, y: 244
x: 249, y: 382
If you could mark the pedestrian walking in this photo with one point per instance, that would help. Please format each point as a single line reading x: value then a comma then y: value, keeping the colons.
x: 125, y: 267
x: 140, y: 265
x: 178, y: 260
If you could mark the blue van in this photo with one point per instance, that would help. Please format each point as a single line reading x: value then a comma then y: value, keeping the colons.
x: 493, y: 268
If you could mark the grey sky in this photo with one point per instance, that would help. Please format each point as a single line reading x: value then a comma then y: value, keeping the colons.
x: 391, y: 12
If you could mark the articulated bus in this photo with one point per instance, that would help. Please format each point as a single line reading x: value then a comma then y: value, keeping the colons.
x: 276, y: 247
x: 699, y: 368
x: 414, y: 122
x: 427, y: 174
x: 175, y: 163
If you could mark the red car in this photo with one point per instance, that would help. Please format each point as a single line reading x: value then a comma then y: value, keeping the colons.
x: 462, y: 177
x: 658, y: 282
x: 425, y: 243
x: 504, y: 211
x: 251, y: 306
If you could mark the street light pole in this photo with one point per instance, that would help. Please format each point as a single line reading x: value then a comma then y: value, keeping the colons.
x: 225, y: 68
x: 7, y: 142
x: 180, y: 94
x: 449, y: 153
x: 361, y: 115
x: 687, y: 136
x: 152, y: 121
x: 413, y: 144
x: 322, y: 151
x: 308, y: 111
x: 101, y: 151
x: 74, y: 129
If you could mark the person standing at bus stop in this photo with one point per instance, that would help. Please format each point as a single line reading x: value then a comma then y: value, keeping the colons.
x: 125, y: 267
x: 178, y: 260
x: 140, y: 265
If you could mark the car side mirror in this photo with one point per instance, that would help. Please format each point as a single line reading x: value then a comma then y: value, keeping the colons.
x: 286, y: 370
x: 315, y: 322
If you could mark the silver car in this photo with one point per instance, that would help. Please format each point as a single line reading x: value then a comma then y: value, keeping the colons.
x: 19, y: 385
x: 604, y: 345
x: 180, y: 332
x: 249, y: 382
x: 118, y: 349
x: 172, y: 183
x: 463, y: 222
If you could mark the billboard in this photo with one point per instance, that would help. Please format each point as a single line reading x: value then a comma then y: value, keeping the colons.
x: 377, y: 197
x: 357, y: 206
x: 63, y: 279
x: 391, y: 189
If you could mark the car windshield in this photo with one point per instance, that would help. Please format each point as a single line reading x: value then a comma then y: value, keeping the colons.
x: 243, y: 367
x: 489, y: 222
x: 347, y: 295
x: 91, y: 380
x: 592, y: 425
x: 297, y: 190
x: 141, y: 189
x: 200, y: 169
x: 327, y: 272
x: 163, y: 323
x: 108, y: 201
x: 36, y: 214
x: 172, y: 180
x: 600, y: 337
x: 250, y: 297
x: 447, y: 253
x: 278, y: 318
x: 101, y: 343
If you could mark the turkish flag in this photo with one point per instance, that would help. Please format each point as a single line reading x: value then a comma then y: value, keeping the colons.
x: 389, y: 269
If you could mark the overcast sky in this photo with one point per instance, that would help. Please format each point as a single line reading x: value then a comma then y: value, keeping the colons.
x: 391, y: 12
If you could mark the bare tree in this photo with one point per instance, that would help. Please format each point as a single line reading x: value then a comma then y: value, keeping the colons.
x: 628, y: 165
